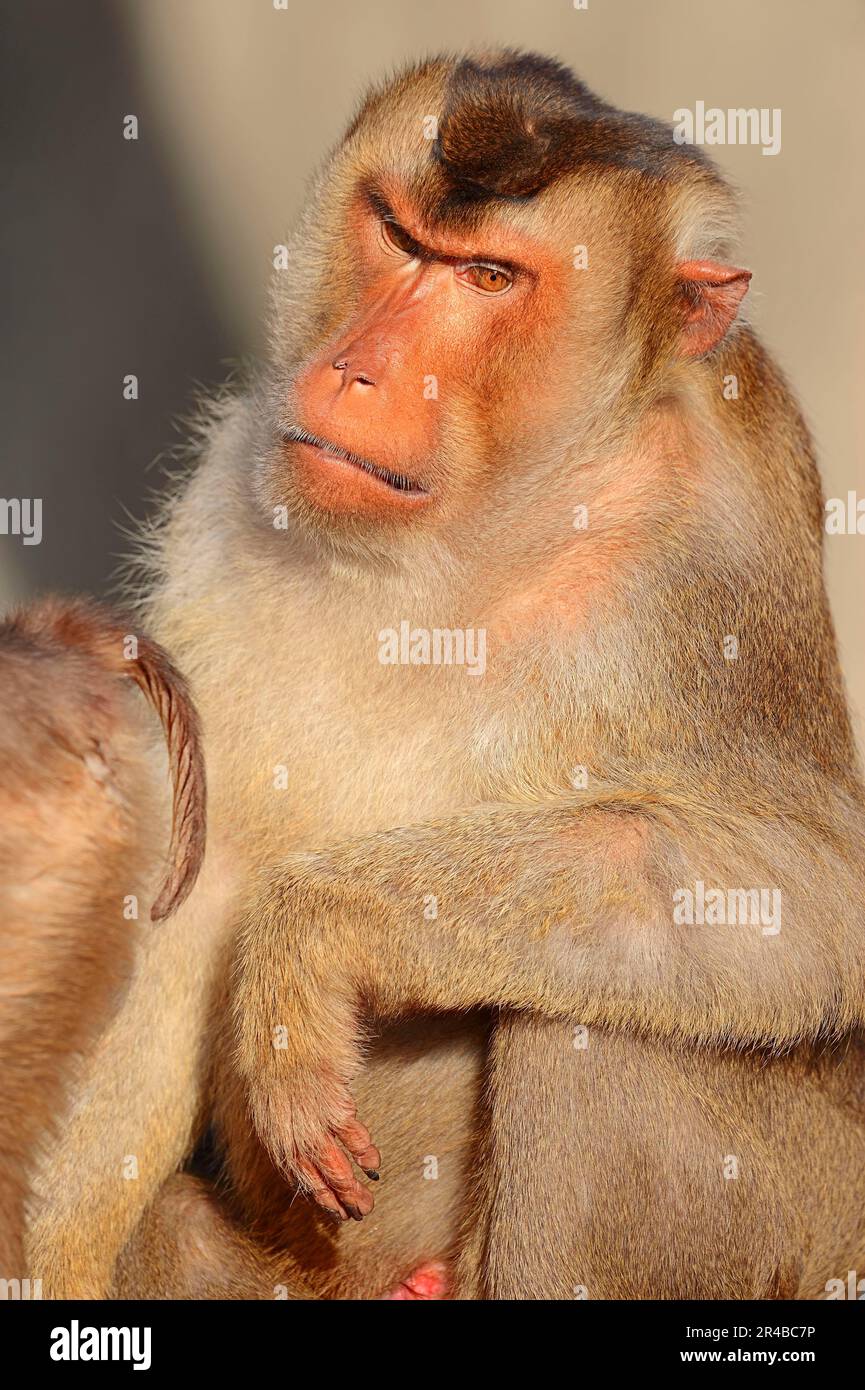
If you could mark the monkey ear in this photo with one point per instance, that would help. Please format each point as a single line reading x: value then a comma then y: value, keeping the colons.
x: 712, y: 294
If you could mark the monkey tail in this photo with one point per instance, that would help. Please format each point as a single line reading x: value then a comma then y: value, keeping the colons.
x: 168, y: 693
x: 100, y: 632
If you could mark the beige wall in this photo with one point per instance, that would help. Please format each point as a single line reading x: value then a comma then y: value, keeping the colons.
x: 248, y: 97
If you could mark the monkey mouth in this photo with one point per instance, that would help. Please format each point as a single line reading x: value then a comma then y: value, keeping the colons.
x: 397, y: 482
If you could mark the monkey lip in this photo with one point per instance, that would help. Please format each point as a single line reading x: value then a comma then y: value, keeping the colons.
x: 335, y: 454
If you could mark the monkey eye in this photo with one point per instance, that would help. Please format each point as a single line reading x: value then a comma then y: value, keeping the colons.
x: 396, y: 238
x: 489, y: 279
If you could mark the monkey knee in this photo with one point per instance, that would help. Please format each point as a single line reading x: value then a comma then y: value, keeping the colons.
x: 188, y: 1226
x: 187, y: 1247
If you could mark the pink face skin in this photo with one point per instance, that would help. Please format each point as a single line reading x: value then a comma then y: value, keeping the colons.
x: 432, y: 306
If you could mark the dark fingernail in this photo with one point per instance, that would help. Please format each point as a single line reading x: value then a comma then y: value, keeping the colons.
x: 354, y: 1212
x: 372, y: 1174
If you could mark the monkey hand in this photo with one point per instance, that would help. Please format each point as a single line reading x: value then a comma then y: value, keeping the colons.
x: 307, y: 1120
x: 296, y: 1020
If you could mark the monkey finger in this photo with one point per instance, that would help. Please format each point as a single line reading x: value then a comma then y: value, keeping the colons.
x: 314, y: 1185
x: 337, y: 1172
x: 356, y: 1138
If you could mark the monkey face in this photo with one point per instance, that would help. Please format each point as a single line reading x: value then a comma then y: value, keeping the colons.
x: 423, y: 369
x: 472, y: 298
x: 441, y: 376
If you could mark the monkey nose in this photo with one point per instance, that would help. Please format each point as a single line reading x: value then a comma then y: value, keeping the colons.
x: 352, y: 374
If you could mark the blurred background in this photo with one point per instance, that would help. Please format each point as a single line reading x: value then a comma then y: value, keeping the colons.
x: 152, y: 256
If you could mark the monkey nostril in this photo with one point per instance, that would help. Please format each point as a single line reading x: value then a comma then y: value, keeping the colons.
x: 343, y: 364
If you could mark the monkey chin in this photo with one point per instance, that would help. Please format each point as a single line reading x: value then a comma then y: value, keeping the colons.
x: 340, y: 487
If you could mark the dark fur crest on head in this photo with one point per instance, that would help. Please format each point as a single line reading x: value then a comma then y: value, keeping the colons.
x: 515, y: 125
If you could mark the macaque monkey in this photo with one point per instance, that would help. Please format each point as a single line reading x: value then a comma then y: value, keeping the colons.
x: 79, y: 807
x: 564, y: 940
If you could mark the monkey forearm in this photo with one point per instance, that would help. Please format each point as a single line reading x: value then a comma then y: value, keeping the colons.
x: 561, y: 910
x: 567, y: 912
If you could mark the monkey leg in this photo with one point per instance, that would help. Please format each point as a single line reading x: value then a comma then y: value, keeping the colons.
x: 683, y: 1173
x: 657, y: 1180
x: 188, y: 1246
x: 565, y: 911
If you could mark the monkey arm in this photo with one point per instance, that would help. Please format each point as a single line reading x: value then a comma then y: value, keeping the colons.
x: 567, y: 910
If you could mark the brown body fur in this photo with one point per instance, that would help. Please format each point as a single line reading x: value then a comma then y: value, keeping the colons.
x: 600, y: 1168
x: 81, y: 808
